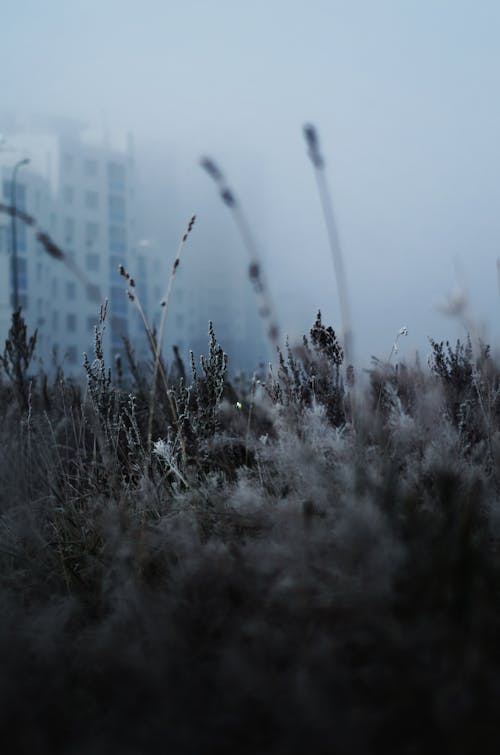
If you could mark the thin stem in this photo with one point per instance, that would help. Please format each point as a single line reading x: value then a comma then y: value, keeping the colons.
x: 159, y: 341
x: 333, y: 237
x: 338, y: 263
x: 250, y: 411
x: 266, y: 309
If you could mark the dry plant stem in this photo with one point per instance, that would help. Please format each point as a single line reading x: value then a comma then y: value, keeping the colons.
x: 250, y: 411
x: 134, y: 297
x: 263, y: 290
x: 333, y: 238
x: 266, y: 309
x: 159, y: 341
x: 394, y: 350
x: 151, y: 339
x: 318, y: 162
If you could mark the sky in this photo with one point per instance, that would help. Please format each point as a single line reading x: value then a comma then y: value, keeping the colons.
x: 404, y: 94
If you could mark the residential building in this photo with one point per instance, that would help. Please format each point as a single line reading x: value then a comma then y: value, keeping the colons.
x: 81, y: 193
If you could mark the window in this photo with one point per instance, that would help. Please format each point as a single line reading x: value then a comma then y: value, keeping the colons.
x: 117, y: 239
x: 55, y: 320
x: 68, y: 195
x: 116, y: 176
x: 116, y: 206
x: 92, y: 262
x: 69, y: 230
x: 91, y: 200
x: 90, y: 168
x: 53, y: 287
x: 4, y: 247
x: 118, y: 330
x: 38, y: 272
x: 22, y: 274
x: 71, y: 290
x: 22, y: 300
x: 118, y: 300
x: 71, y: 322
x: 91, y: 233
x: 94, y: 293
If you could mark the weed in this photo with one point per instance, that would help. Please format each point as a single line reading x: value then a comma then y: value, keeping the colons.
x: 17, y: 358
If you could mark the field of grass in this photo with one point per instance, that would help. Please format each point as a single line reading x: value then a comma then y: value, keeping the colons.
x: 303, y: 562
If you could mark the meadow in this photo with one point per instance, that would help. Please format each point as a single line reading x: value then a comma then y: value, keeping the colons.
x: 303, y: 561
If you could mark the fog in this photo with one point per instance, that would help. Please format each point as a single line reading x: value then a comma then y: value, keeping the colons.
x: 404, y: 94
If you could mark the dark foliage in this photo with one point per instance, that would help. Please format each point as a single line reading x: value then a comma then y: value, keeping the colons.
x: 295, y: 566
x: 311, y: 373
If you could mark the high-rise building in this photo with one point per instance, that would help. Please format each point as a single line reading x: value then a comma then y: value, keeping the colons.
x: 81, y: 193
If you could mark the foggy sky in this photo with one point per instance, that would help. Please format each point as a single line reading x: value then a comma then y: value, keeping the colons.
x: 404, y: 94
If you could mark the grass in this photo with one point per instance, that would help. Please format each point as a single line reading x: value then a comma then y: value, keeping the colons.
x: 301, y: 577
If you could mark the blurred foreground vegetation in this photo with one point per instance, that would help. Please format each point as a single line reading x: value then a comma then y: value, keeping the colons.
x: 304, y: 561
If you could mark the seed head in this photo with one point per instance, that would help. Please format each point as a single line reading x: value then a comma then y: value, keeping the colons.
x: 228, y: 197
x: 312, y: 141
x: 254, y: 271
x: 49, y: 246
x: 213, y: 171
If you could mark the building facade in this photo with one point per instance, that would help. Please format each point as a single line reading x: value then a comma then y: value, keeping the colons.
x: 81, y: 194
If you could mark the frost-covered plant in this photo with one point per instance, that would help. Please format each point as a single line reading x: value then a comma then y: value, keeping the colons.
x: 311, y: 373
x: 17, y: 357
x: 263, y: 593
x: 198, y: 403
x: 99, y: 383
x: 471, y: 385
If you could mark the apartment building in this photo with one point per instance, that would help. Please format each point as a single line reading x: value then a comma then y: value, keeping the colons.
x: 81, y: 192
